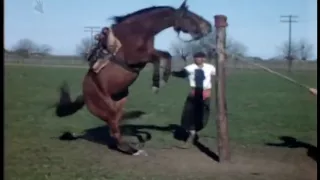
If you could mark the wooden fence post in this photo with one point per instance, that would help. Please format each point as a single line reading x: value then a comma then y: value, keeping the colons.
x: 220, y: 83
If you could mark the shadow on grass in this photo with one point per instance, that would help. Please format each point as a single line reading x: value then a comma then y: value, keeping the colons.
x: 65, y: 107
x: 291, y: 142
x: 206, y: 150
x: 101, y: 135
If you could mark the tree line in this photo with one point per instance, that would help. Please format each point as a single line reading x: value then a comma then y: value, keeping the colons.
x: 300, y: 50
x: 27, y: 48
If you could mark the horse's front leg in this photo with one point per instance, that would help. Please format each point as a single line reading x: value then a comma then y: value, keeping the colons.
x: 156, y: 73
x: 165, y: 57
x: 156, y: 59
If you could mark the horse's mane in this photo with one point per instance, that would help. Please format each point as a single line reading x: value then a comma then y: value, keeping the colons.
x: 119, y: 19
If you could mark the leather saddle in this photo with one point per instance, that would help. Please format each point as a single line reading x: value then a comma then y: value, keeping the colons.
x: 107, y: 47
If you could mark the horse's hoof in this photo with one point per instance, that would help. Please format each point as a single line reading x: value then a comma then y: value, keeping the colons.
x: 68, y: 136
x: 140, y: 152
x: 127, y: 148
x: 155, y: 89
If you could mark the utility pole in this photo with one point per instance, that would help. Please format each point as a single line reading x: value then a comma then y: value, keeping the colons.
x: 92, y: 30
x: 289, y: 19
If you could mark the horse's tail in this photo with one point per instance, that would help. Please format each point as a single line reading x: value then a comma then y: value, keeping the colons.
x: 65, y: 106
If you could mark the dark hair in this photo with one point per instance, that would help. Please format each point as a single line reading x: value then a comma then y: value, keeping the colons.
x: 199, y: 55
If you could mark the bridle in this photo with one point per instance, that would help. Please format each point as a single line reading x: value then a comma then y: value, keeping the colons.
x: 181, y: 14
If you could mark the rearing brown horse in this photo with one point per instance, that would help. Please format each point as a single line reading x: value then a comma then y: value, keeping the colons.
x: 105, y: 93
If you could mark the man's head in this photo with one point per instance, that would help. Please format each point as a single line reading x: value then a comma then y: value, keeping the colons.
x: 199, y: 58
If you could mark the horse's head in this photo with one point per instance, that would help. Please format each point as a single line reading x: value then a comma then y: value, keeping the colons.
x: 191, y: 23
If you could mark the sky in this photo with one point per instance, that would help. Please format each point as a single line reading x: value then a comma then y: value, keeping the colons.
x: 255, y: 23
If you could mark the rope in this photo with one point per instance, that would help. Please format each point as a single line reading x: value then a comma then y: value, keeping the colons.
x: 312, y: 90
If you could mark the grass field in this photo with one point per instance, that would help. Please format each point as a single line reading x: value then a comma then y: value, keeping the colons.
x: 261, y: 108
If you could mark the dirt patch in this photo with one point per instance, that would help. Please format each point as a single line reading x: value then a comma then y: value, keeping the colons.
x: 247, y: 163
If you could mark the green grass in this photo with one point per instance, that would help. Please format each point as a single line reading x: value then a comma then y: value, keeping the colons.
x: 261, y: 107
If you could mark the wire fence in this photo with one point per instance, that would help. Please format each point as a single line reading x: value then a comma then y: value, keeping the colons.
x: 176, y: 63
x: 52, y: 60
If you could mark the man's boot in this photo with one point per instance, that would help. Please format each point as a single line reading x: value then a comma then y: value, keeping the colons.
x: 190, y: 140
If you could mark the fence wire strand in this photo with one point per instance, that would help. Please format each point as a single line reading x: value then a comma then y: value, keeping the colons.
x: 243, y: 59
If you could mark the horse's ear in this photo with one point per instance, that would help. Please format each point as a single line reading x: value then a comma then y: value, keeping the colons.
x: 184, y: 5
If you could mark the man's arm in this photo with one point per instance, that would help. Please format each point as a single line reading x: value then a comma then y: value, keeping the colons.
x: 180, y: 74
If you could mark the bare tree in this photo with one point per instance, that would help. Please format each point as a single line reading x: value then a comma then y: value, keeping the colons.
x: 44, y: 50
x: 289, y: 53
x: 181, y: 50
x: 235, y: 47
x: 24, y: 48
x: 235, y: 50
x: 207, y: 45
x: 184, y: 50
x: 83, y: 47
x: 304, y: 50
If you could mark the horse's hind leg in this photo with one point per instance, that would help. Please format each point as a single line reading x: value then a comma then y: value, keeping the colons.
x: 115, y: 128
x: 102, y: 111
x: 116, y: 133
x: 112, y: 118
x: 115, y: 120
x: 108, y: 110
x: 101, y: 106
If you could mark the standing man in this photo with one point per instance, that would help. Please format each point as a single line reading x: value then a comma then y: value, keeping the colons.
x: 197, y: 105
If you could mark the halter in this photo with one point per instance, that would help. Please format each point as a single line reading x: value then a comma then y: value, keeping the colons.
x: 177, y: 18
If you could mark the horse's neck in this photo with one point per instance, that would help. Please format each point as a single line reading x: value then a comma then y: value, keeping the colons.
x: 152, y: 25
x: 158, y: 22
x: 137, y: 35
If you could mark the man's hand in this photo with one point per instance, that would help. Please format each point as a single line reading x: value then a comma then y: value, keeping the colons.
x: 313, y: 91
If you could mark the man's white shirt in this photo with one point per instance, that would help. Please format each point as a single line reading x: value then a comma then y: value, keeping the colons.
x: 209, y: 71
